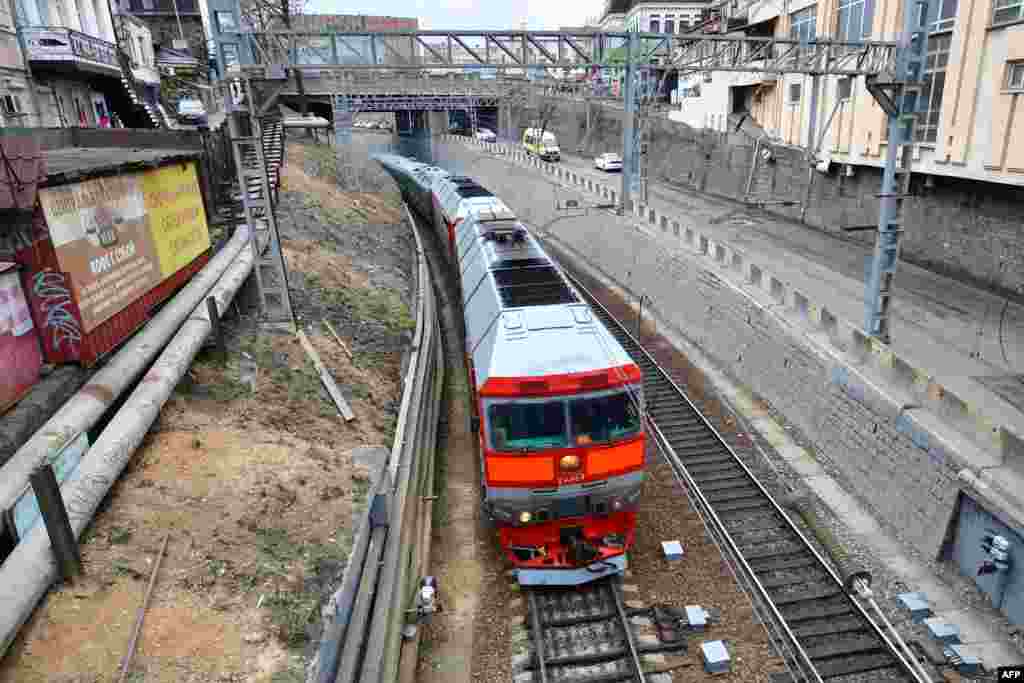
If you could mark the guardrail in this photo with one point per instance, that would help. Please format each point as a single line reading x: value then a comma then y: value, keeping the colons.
x: 392, y: 545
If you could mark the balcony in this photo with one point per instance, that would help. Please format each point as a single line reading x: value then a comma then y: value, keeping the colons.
x: 145, y: 74
x: 161, y: 7
x: 63, y: 49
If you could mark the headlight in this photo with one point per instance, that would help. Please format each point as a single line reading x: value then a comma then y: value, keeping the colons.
x: 569, y: 462
x: 525, y: 517
x: 616, y: 504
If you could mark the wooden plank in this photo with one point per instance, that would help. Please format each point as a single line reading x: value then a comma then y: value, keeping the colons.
x: 330, y: 328
x: 325, y: 377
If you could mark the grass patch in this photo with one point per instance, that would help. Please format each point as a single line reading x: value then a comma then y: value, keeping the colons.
x: 292, y: 612
x: 119, y: 535
x: 343, y: 216
x: 371, y: 304
x: 294, y: 673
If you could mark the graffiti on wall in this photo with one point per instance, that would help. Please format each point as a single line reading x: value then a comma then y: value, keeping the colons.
x: 55, y: 303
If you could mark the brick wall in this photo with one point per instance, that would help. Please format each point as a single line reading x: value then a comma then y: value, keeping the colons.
x: 964, y: 229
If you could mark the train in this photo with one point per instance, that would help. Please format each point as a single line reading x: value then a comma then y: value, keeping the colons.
x: 557, y: 402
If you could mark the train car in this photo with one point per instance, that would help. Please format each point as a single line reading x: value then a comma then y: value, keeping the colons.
x: 558, y: 403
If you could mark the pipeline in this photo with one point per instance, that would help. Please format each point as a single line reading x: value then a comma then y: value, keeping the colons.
x: 83, y: 410
x: 840, y: 558
x: 31, y: 569
x: 856, y: 580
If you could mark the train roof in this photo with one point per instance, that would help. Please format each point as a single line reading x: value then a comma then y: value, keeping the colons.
x: 523, y: 317
x: 525, y: 322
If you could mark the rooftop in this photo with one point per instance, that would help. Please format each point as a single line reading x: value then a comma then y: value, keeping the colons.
x: 70, y: 164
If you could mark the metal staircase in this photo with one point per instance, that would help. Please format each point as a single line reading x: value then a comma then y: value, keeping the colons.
x: 258, y: 151
x: 131, y: 87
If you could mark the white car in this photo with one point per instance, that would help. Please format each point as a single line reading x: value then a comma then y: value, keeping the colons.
x: 608, y: 162
x: 485, y: 135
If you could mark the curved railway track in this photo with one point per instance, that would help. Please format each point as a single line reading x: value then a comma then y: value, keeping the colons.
x: 821, y: 632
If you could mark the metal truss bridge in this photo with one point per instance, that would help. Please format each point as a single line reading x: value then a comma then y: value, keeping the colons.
x: 270, y: 52
x: 892, y: 72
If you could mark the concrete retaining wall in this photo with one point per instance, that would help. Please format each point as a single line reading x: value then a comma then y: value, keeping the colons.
x: 900, y: 438
x: 965, y: 229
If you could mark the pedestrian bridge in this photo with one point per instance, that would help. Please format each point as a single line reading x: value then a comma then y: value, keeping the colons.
x: 388, y: 91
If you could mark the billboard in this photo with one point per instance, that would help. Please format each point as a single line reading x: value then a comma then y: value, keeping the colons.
x: 119, y: 237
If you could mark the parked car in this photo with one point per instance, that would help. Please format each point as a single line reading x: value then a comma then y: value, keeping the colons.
x: 608, y: 162
x: 486, y: 135
x: 191, y: 111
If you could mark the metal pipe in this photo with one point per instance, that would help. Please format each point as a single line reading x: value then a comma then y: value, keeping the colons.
x: 84, y: 409
x: 864, y: 592
x: 30, y: 569
x: 142, y: 610
x: 753, y: 167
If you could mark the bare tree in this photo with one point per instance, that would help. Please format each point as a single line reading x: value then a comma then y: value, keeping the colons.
x: 266, y: 15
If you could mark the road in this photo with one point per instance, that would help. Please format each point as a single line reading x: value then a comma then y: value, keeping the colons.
x: 985, y: 327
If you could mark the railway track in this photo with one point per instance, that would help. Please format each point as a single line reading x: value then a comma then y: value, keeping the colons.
x: 821, y: 632
x: 584, y: 635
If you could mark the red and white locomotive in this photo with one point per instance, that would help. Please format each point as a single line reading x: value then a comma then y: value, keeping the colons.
x: 557, y: 401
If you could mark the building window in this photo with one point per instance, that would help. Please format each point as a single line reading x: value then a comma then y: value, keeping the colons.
x: 670, y: 26
x: 230, y: 54
x: 943, y: 15
x: 802, y: 24
x: 655, y: 26
x: 10, y: 105
x: 225, y: 21
x: 934, y: 76
x: 1005, y: 11
x: 855, y: 19
x: 794, y: 93
x: 1015, y: 76
x: 845, y: 88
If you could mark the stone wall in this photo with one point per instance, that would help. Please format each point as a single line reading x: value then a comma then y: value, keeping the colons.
x: 965, y: 229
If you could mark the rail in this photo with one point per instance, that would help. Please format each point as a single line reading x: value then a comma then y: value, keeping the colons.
x: 363, y: 640
x: 729, y: 488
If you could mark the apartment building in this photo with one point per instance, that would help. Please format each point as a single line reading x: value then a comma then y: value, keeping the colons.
x: 970, y: 120
x: 71, y: 67
x: 17, y: 103
x: 613, y: 18
x: 663, y: 17
x: 71, y: 50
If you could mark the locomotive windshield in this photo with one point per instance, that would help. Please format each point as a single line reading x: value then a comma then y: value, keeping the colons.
x: 603, y: 418
x: 560, y: 423
x: 527, y: 426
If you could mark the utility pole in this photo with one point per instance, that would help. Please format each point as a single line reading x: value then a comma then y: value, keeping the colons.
x: 899, y: 100
x: 630, y: 141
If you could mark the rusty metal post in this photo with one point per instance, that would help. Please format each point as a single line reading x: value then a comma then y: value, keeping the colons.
x: 55, y: 516
x: 640, y: 319
x: 217, y: 331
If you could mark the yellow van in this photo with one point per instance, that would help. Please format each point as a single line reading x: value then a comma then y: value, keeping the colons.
x: 546, y: 148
